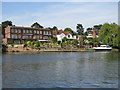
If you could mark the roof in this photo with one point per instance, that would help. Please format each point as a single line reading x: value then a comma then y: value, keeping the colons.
x: 28, y: 28
x: 65, y: 32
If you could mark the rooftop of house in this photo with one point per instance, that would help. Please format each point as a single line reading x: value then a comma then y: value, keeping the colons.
x: 18, y: 27
x: 65, y: 32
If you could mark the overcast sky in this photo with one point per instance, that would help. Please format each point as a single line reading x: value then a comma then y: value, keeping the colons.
x: 60, y: 14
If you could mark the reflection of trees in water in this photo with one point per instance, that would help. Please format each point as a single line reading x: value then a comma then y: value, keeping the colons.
x: 112, y: 56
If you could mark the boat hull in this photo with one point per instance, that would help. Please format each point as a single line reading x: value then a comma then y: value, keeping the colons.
x: 103, y: 49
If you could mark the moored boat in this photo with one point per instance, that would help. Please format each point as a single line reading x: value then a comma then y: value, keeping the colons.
x: 103, y: 48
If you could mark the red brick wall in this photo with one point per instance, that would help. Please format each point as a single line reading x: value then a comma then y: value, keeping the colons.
x: 7, y: 32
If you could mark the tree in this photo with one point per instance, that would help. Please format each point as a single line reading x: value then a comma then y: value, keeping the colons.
x: 37, y: 43
x: 36, y: 25
x: 28, y: 43
x: 54, y: 28
x: 4, y: 25
x: 97, y: 26
x: 64, y: 39
x: 109, y: 34
x: 53, y: 38
x: 68, y: 29
x: 89, y: 29
x: 80, y: 29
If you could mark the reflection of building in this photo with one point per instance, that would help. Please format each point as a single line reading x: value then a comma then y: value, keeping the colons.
x: 92, y: 33
x: 15, y: 34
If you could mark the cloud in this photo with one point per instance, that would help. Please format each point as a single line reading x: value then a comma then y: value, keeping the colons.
x: 65, y: 15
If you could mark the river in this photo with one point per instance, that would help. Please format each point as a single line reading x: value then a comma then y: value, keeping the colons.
x: 60, y: 70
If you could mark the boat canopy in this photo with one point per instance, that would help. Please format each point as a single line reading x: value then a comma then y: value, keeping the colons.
x: 104, y: 46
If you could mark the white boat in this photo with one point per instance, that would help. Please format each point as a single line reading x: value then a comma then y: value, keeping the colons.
x: 103, y: 48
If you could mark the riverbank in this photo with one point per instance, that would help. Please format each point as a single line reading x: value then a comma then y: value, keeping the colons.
x: 12, y: 49
x: 27, y: 49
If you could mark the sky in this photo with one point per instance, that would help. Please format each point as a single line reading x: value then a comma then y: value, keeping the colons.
x: 60, y: 14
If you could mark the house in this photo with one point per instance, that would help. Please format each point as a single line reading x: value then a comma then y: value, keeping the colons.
x: 14, y: 34
x: 61, y: 34
x: 92, y: 33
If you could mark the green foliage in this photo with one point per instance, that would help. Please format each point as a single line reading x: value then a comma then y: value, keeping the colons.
x: 37, y: 43
x: 53, y: 28
x: 92, y: 41
x: 64, y: 39
x: 109, y: 34
x: 88, y: 29
x: 28, y: 43
x: 59, y: 42
x: 53, y: 38
x: 68, y: 29
x: 4, y: 47
x: 80, y: 29
x: 4, y: 25
x: 97, y: 26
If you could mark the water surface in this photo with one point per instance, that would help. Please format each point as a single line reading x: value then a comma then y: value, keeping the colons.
x: 61, y: 70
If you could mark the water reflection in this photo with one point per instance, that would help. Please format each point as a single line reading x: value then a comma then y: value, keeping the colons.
x: 66, y: 70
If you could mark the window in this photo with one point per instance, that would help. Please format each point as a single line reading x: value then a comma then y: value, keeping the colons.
x: 30, y: 31
x: 45, y: 32
x: 12, y: 30
x: 13, y: 36
x: 40, y: 36
x: 19, y: 31
x: 24, y: 31
x: 45, y: 37
x: 40, y: 32
x: 68, y: 36
x: 27, y: 31
x: 19, y: 36
x: 26, y: 37
x: 49, y: 32
x: 16, y: 30
x: 37, y: 32
x: 30, y: 36
x: 36, y: 37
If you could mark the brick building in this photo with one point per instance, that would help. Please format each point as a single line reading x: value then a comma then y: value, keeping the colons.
x: 15, y: 34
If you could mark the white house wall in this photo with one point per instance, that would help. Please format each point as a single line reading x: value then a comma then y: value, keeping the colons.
x: 60, y: 37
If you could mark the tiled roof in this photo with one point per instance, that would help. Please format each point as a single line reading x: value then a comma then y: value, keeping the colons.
x: 65, y: 32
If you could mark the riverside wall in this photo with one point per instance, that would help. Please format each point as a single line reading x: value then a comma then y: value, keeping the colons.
x: 12, y: 49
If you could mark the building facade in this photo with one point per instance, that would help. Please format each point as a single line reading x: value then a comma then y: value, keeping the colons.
x: 92, y: 33
x: 19, y: 35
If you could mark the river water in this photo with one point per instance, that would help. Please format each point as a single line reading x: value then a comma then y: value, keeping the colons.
x: 60, y: 70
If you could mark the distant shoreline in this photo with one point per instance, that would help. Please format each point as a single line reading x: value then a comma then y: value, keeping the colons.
x: 51, y: 50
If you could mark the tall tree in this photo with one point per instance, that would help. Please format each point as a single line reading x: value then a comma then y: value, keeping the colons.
x: 36, y: 25
x: 80, y: 29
